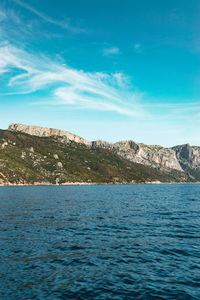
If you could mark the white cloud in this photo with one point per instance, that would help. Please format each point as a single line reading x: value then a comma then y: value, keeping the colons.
x: 65, y: 24
x: 65, y: 85
x: 111, y: 51
x: 15, y: 28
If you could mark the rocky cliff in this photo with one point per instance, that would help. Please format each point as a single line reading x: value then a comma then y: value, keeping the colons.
x: 64, y: 136
x: 154, y: 156
x: 189, y: 159
x: 189, y: 155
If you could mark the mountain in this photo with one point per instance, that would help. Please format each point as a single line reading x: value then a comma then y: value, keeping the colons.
x: 153, y: 156
x: 65, y: 136
x: 189, y: 159
x: 34, y: 155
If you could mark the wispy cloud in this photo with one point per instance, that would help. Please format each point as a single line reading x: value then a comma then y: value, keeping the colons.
x: 28, y: 73
x: 66, y: 86
x: 111, y: 51
x: 15, y: 28
x: 65, y: 24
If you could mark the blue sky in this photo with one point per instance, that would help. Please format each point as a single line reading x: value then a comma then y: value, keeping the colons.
x: 113, y: 70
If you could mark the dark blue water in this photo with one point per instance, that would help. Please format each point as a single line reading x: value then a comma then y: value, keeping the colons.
x: 100, y: 242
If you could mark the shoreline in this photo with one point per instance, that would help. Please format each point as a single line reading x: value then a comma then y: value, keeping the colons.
x: 93, y: 183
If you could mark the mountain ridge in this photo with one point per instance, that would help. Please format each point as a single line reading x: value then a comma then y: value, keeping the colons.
x: 151, y: 155
x: 120, y: 162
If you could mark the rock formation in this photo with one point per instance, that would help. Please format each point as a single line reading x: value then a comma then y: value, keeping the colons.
x: 189, y: 155
x: 189, y: 159
x: 47, y: 132
x: 154, y: 156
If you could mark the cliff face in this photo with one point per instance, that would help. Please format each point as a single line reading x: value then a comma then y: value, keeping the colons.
x: 189, y: 155
x: 48, y: 132
x: 154, y: 156
x: 189, y: 159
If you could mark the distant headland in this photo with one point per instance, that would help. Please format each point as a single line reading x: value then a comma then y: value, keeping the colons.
x: 38, y: 155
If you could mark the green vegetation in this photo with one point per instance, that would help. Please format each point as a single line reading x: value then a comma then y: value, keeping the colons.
x: 28, y: 159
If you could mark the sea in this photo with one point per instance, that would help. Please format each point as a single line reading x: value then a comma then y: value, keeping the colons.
x: 100, y: 242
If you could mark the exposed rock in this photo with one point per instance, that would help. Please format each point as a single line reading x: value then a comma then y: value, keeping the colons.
x: 154, y: 156
x: 47, y: 132
x: 59, y: 164
x: 35, y: 163
x: 188, y: 155
x: 4, y: 145
x: 55, y: 156
x: 23, y: 155
x: 102, y: 144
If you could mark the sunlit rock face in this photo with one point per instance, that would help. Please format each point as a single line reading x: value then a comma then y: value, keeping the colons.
x: 188, y: 155
x: 154, y: 156
x: 47, y: 132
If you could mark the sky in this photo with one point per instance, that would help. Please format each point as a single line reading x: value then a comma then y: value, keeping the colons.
x: 103, y: 69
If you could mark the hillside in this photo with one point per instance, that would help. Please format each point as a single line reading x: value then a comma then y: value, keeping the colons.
x: 57, y: 159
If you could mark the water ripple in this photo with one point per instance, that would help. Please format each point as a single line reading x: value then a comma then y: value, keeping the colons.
x: 100, y: 242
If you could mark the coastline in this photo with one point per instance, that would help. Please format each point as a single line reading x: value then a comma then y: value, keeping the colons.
x: 93, y: 183
x: 47, y: 163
